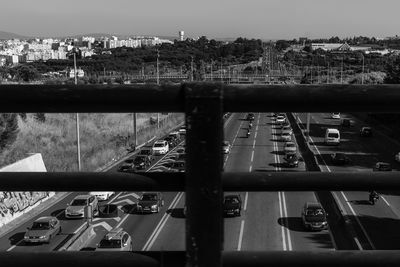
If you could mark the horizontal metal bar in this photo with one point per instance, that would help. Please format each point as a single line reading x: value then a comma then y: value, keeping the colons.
x: 229, y: 258
x: 254, y: 181
x: 170, y: 98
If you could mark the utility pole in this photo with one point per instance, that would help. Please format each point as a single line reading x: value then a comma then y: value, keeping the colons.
x: 341, y: 72
x: 134, y: 118
x: 362, y: 76
x: 77, y: 120
x: 211, y: 70
x: 221, y: 71
x: 191, y: 69
x: 158, y: 83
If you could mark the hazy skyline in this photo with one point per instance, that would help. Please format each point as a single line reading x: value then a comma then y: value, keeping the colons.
x: 265, y: 19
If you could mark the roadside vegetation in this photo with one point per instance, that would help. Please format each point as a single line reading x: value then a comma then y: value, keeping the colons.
x: 103, y: 138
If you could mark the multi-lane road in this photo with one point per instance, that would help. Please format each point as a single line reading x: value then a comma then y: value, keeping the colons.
x: 269, y: 220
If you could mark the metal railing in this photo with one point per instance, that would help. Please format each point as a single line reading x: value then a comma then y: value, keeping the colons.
x: 204, y: 181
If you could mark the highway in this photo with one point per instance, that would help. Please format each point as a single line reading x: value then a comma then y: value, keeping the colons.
x: 269, y: 220
x: 375, y: 226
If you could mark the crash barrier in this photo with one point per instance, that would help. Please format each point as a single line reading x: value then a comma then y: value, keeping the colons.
x: 203, y: 181
x: 337, y: 220
x: 108, y: 211
x: 82, y: 239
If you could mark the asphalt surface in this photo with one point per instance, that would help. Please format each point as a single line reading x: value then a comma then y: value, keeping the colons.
x: 375, y: 226
x: 269, y: 220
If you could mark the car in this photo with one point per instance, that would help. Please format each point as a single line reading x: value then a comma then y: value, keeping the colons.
x: 232, y: 205
x: 76, y: 209
x: 102, y: 196
x: 382, y: 166
x: 172, y: 142
x: 226, y: 147
x: 160, y: 147
x: 115, y: 240
x: 182, y: 131
x: 250, y: 117
x: 180, y: 150
x: 291, y: 160
x: 314, y: 216
x: 127, y: 166
x: 332, y: 136
x: 366, y: 131
x: 177, y: 165
x: 346, y: 123
x: 178, y: 156
x: 141, y: 162
x: 286, y: 136
x: 335, y: 115
x: 397, y: 157
x: 287, y: 128
x: 340, y: 158
x: 290, y: 148
x: 150, y: 202
x: 280, y: 119
x: 43, y: 230
x: 176, y: 135
x: 147, y: 151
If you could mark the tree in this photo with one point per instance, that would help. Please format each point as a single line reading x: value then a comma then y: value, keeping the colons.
x: 8, y: 129
x: 40, y: 117
x: 393, y: 72
x: 26, y: 73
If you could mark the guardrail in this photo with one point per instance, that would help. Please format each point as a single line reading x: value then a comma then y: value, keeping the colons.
x: 203, y: 181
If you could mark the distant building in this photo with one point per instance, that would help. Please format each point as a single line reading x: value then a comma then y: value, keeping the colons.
x: 79, y: 73
x: 331, y: 46
x: 181, y: 35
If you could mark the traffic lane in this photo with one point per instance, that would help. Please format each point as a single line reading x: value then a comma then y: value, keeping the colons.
x: 376, y: 224
x: 13, y: 241
x: 302, y: 238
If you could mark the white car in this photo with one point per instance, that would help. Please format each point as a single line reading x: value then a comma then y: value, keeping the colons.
x: 290, y: 148
x: 226, y: 147
x: 336, y: 115
x: 280, y: 119
x: 160, y: 147
x: 102, y: 196
x: 286, y: 136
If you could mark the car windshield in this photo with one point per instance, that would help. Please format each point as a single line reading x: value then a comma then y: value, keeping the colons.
x: 231, y: 200
x: 79, y: 202
x: 149, y: 197
x: 315, y: 212
x: 333, y: 135
x: 158, y: 144
x: 113, y: 243
x: 40, y: 226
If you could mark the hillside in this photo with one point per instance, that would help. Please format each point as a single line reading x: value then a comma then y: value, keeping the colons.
x: 10, y: 35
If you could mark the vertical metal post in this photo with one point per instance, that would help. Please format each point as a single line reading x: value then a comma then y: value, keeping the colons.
x: 308, y: 126
x: 77, y: 121
x: 134, y: 129
x: 158, y: 83
x: 362, y: 76
x: 204, y: 195
x: 191, y: 69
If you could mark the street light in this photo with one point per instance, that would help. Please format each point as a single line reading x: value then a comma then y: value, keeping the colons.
x: 77, y: 120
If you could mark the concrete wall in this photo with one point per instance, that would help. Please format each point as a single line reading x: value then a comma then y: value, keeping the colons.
x: 15, y: 204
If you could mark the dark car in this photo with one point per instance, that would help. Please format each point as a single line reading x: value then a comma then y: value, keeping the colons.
x: 314, y: 216
x: 150, y: 202
x: 366, y: 131
x: 346, y: 123
x: 127, y: 166
x: 176, y: 165
x: 250, y: 117
x: 232, y: 205
x: 340, y: 158
x: 141, y: 162
x: 147, y: 151
x: 171, y: 141
x: 291, y: 160
x: 43, y: 230
x: 382, y: 166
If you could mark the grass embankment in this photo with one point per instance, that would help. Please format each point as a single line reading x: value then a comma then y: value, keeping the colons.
x: 103, y: 138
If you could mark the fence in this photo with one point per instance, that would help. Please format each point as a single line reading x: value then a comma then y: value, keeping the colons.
x: 203, y: 181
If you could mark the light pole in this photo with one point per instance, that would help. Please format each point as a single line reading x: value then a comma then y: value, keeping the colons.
x: 158, y: 83
x: 134, y: 118
x: 191, y: 69
x: 77, y: 120
x: 362, y: 76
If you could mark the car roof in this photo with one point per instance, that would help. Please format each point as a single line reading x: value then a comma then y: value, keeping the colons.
x: 45, y: 219
x: 383, y: 163
x: 313, y: 205
x: 115, y: 233
x: 82, y: 197
x: 160, y: 142
x: 231, y: 196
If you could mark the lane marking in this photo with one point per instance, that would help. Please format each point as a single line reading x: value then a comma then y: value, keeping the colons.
x: 80, y: 227
x: 245, y: 200
x: 240, y: 236
x: 287, y: 222
x: 161, y: 224
x: 250, y: 168
x: 252, y: 156
x: 387, y: 203
x: 282, y: 227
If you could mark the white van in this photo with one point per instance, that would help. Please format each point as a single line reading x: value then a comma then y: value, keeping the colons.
x: 332, y: 136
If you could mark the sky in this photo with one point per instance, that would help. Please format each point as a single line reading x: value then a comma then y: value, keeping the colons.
x: 264, y: 19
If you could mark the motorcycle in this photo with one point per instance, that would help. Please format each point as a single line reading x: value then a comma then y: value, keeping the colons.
x: 373, y: 198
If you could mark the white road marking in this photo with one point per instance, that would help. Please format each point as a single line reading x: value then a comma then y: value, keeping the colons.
x: 250, y: 168
x: 11, y: 248
x: 287, y: 222
x: 245, y: 200
x: 240, y: 236
x: 282, y: 227
x: 387, y: 203
x: 80, y: 227
x: 130, y: 194
x: 252, y: 156
x: 104, y: 224
x: 114, y: 198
